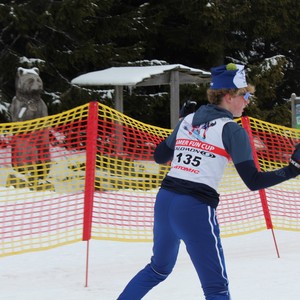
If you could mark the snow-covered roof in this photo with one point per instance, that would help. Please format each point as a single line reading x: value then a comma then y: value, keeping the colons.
x: 141, y: 76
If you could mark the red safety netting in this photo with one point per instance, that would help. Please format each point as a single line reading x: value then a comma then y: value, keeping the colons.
x: 89, y: 173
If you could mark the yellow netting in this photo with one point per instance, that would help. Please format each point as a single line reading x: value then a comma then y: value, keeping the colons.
x: 42, y: 176
x: 48, y: 197
x: 127, y: 178
x: 274, y: 145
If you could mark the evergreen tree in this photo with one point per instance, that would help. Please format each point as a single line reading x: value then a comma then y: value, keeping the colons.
x: 188, y: 32
x: 268, y: 31
x: 66, y: 38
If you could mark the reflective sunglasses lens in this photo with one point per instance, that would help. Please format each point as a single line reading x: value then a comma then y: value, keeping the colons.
x: 247, y: 96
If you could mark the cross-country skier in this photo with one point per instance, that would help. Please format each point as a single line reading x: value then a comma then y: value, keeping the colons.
x: 186, y: 203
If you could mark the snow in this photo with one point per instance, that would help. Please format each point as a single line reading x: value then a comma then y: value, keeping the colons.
x: 31, y: 61
x: 3, y: 106
x: 269, y: 62
x: 131, y: 76
x: 34, y: 71
x: 254, y: 270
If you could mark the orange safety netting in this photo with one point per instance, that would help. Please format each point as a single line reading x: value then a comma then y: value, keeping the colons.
x: 89, y: 173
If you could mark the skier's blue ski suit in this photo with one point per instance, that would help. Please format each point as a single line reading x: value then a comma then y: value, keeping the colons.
x: 185, y: 209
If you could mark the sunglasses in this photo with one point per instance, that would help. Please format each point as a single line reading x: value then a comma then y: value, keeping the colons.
x: 246, y: 96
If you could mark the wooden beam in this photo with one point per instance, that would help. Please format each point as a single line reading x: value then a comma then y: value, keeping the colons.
x: 118, y: 97
x: 165, y: 78
x: 174, y: 101
x: 118, y: 124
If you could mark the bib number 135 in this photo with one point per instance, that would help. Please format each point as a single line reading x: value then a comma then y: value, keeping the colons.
x: 188, y: 159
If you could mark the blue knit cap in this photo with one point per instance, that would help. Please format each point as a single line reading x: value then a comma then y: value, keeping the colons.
x: 231, y: 76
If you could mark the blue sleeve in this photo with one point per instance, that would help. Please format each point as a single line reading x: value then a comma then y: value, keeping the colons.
x: 164, y: 151
x: 171, y: 139
x: 237, y: 144
x: 256, y: 180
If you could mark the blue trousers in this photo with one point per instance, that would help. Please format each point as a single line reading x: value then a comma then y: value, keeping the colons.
x: 182, y: 217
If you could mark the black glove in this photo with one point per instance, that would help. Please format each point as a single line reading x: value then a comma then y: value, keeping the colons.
x: 187, y: 108
x: 295, y: 158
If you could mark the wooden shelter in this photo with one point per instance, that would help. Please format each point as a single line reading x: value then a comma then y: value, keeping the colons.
x: 135, y: 76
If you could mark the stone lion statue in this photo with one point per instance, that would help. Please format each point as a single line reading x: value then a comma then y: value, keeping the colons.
x: 30, y: 148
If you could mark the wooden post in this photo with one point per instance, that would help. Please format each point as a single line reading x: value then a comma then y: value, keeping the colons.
x: 118, y: 96
x: 174, y: 95
x: 119, y: 124
x: 295, y: 108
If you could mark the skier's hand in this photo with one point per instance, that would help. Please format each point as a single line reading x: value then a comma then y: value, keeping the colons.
x: 187, y: 108
x: 295, y: 159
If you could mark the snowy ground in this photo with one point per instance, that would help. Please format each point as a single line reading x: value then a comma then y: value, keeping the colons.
x: 254, y: 270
